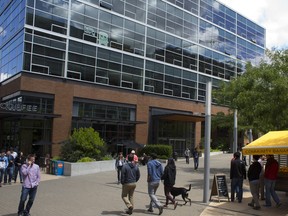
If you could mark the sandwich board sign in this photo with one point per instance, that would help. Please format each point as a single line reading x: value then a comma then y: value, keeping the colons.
x: 219, y: 187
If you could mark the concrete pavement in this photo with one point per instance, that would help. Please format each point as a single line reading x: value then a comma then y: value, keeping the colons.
x: 99, y: 194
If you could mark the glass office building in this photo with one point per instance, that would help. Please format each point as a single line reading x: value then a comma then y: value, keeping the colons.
x: 115, y: 55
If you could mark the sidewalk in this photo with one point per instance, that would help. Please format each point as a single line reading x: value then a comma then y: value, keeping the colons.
x: 224, y: 208
x: 99, y: 194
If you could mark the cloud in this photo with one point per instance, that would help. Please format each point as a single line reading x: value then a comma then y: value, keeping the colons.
x: 267, y: 13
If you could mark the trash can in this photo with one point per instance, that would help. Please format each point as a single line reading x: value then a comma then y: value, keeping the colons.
x: 59, y: 167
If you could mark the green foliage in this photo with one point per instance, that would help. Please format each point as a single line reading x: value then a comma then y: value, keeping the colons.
x: 261, y: 94
x: 84, y: 142
x: 107, y: 157
x: 163, y: 151
x: 85, y: 159
x: 56, y: 158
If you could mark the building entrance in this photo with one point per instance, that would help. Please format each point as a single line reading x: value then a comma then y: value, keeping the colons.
x: 178, y: 145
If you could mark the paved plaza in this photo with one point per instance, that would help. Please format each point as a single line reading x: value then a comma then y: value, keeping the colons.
x: 99, y: 194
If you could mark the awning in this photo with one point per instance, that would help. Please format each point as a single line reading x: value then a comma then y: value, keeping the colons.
x: 130, y: 144
x: 42, y: 142
x: 33, y: 115
x: 274, y: 142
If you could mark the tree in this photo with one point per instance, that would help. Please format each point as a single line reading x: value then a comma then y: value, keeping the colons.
x: 261, y: 94
x: 84, y: 142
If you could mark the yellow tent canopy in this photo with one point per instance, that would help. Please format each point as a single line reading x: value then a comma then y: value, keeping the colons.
x: 274, y: 142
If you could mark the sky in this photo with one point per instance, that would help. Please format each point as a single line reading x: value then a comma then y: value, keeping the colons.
x: 270, y: 14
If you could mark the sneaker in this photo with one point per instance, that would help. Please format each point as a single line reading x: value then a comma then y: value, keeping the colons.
x: 251, y: 204
x: 150, y: 210
x: 130, y: 210
x: 257, y: 207
x: 9, y: 183
x: 278, y: 204
x: 160, y: 210
x: 267, y: 205
x: 175, y: 205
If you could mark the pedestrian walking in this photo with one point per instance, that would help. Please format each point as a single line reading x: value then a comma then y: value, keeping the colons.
x: 270, y: 176
x: 237, y: 174
x: 3, y: 165
x: 19, y: 161
x: 120, y: 160
x: 261, y: 178
x: 154, y: 174
x: 135, y: 157
x: 196, y: 158
x: 9, y: 171
x: 169, y: 178
x: 187, y: 155
x: 47, y: 161
x: 254, y: 182
x: 130, y: 174
x: 31, y: 180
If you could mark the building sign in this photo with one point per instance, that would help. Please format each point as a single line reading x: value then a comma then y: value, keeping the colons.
x: 90, y: 31
x: 103, y: 38
x: 18, y: 107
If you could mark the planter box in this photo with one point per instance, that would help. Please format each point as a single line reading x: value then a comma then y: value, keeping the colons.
x: 76, y: 169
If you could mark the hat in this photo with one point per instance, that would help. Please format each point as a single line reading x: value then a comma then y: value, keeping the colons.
x: 133, y: 152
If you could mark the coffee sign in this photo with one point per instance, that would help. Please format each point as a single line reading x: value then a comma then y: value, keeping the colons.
x: 18, y: 107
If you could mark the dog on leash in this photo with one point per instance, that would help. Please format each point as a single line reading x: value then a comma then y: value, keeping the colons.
x: 176, y: 191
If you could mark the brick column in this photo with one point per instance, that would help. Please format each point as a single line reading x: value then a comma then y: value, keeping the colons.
x: 142, y: 114
x: 63, y: 105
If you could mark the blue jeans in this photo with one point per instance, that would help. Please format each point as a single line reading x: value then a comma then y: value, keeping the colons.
x: 270, y: 191
x: 196, y: 163
x: 24, y: 194
x: 2, y: 171
x: 152, y: 188
x: 18, y: 170
x: 237, y: 186
x: 9, y: 171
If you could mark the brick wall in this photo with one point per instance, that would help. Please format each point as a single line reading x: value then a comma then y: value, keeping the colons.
x: 64, y: 91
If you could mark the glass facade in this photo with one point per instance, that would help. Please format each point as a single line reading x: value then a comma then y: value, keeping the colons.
x: 27, y: 124
x: 114, y: 122
x: 162, y: 47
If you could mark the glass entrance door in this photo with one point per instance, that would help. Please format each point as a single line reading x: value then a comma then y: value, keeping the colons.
x: 178, y: 145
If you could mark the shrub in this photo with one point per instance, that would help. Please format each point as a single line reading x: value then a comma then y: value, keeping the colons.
x: 107, y: 157
x: 56, y: 158
x: 163, y: 151
x: 84, y: 142
x: 86, y: 159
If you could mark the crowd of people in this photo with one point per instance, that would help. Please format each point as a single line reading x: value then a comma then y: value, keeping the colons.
x: 10, y: 166
x: 262, y: 174
x: 13, y: 164
x: 262, y: 179
x: 128, y: 174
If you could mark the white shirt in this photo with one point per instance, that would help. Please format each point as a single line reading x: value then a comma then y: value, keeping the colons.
x: 14, y: 154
